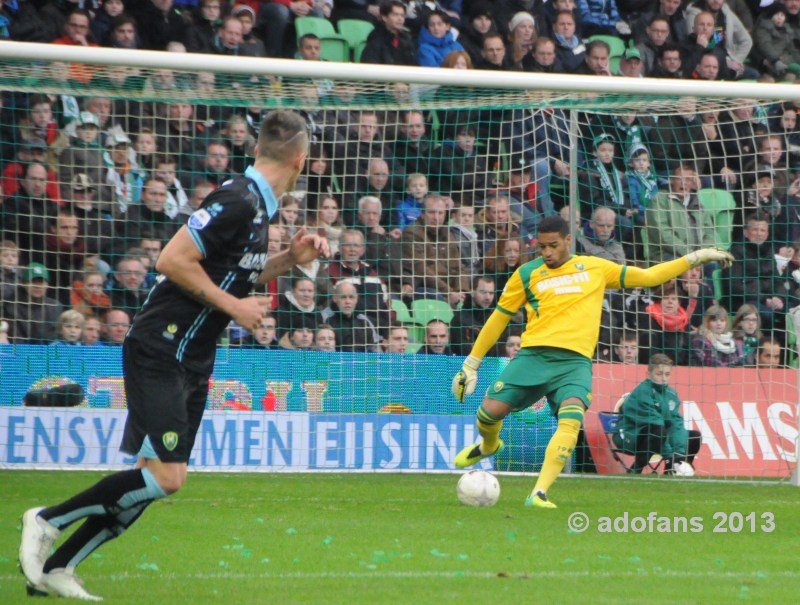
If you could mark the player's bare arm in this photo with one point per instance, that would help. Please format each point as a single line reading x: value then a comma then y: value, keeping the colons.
x: 303, y: 248
x: 180, y: 263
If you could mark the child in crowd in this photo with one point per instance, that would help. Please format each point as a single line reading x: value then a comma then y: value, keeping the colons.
x: 289, y: 215
x: 410, y: 209
x: 714, y: 346
x: 325, y: 338
x: 747, y: 330
x: 642, y: 183
x: 70, y: 328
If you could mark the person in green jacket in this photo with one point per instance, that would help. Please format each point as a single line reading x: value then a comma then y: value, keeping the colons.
x: 651, y: 423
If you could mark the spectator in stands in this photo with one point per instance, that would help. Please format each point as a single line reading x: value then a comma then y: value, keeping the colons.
x: 263, y: 337
x: 213, y: 167
x: 24, y: 24
x: 116, y: 323
x: 547, y: 13
x: 480, y: 22
x: 513, y: 343
x: 543, y: 58
x: 657, y: 31
x: 728, y: 33
x: 699, y: 45
x: 70, y: 328
x: 128, y: 290
x: 26, y: 216
x: 164, y: 23
x: 570, y: 50
x: 200, y: 37
x: 771, y: 159
x: 714, y: 346
x: 32, y: 315
x: 63, y: 255
x: 503, y: 258
x: 165, y: 169
x: 436, y: 40
x: 181, y: 136
x: 38, y: 123
x: 761, y: 195
x: 602, y: 18
x: 412, y: 149
x: 431, y: 264
x: 641, y: 181
x: 349, y: 266
x: 10, y: 272
x: 241, y: 143
x: 77, y: 33
x: 297, y: 307
x: 668, y: 62
x: 630, y: 64
x: 521, y: 38
x: 228, y: 41
x: 437, y: 339
x: 596, y: 60
x: 87, y: 295
x: 376, y: 183
x: 598, y: 238
x: 316, y: 180
x: 198, y: 194
x: 493, y: 53
x: 122, y: 33
x: 462, y: 231
x: 32, y: 150
x: 328, y: 223
x: 355, y: 9
x: 96, y: 229
x: 380, y: 242
x: 390, y: 43
x: 354, y: 330
x: 150, y: 215
x: 774, y: 41
x: 290, y: 215
x: 101, y: 24
x: 626, y: 349
x: 325, y: 338
x: 124, y: 178
x: 746, y: 326
x: 397, y: 342
x: 769, y: 354
x: 299, y: 337
x: 672, y: 11
x: 275, y: 24
x: 84, y: 153
x: 410, y: 208
x: 470, y: 318
x: 252, y: 45
x: 461, y: 169
x: 92, y: 327
x: 495, y: 221
x: 668, y: 329
x: 650, y: 423
x: 754, y: 276
x: 146, y: 148
x: 603, y: 184
x: 676, y: 223
x: 715, y: 149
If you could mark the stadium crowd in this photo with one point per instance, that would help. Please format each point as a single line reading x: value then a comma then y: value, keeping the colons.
x: 428, y: 212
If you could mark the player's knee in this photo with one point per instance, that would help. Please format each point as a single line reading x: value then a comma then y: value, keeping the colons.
x: 170, y: 477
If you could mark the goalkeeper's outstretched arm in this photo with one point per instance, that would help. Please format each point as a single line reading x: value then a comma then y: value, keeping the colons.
x: 465, y: 381
x: 662, y: 272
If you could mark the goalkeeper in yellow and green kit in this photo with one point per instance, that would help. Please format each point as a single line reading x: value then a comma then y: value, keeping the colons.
x: 563, y: 297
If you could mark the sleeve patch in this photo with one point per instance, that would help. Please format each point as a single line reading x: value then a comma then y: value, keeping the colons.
x: 199, y: 219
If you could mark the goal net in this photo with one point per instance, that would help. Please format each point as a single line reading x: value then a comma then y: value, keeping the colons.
x: 430, y: 185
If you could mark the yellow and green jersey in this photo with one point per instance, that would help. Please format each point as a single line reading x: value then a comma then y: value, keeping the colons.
x: 563, y: 304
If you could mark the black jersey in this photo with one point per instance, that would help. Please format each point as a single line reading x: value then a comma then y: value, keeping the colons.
x: 231, y: 229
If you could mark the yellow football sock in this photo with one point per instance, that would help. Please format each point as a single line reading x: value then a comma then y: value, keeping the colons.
x: 489, y: 428
x: 561, y: 445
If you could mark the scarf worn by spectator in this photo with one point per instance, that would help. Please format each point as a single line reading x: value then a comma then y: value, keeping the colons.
x: 672, y: 323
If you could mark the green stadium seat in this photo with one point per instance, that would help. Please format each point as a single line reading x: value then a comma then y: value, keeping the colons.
x: 617, y: 44
x: 426, y: 310
x: 355, y: 31
x: 401, y: 312
x: 613, y: 65
x: 358, y: 50
x: 716, y: 282
x: 721, y: 204
x: 791, y: 343
x: 334, y: 50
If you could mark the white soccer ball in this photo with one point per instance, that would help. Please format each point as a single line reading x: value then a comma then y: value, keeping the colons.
x: 683, y: 469
x: 478, y: 488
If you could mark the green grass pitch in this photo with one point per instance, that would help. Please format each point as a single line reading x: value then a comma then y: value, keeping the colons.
x: 372, y: 539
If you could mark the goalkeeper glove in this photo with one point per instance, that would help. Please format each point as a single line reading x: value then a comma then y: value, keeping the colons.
x: 465, y: 381
x: 710, y: 255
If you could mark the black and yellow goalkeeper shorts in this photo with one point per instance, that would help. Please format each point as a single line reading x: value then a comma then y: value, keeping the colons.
x: 537, y: 372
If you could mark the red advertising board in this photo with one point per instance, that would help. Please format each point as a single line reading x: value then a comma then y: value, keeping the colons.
x: 747, y: 417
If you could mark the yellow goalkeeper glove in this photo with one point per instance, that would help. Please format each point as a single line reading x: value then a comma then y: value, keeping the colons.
x: 710, y: 255
x: 465, y: 381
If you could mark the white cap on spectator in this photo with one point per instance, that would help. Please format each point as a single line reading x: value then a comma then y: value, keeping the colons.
x: 518, y: 18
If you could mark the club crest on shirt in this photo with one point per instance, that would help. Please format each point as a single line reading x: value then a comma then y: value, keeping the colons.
x: 170, y: 440
x: 199, y: 219
x: 579, y: 266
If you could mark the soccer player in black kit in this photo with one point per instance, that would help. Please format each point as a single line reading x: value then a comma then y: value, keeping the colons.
x: 206, y: 274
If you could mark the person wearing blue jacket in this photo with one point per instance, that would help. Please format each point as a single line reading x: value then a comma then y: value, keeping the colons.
x: 436, y: 40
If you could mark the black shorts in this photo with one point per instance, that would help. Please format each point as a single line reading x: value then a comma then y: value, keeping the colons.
x: 165, y: 403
